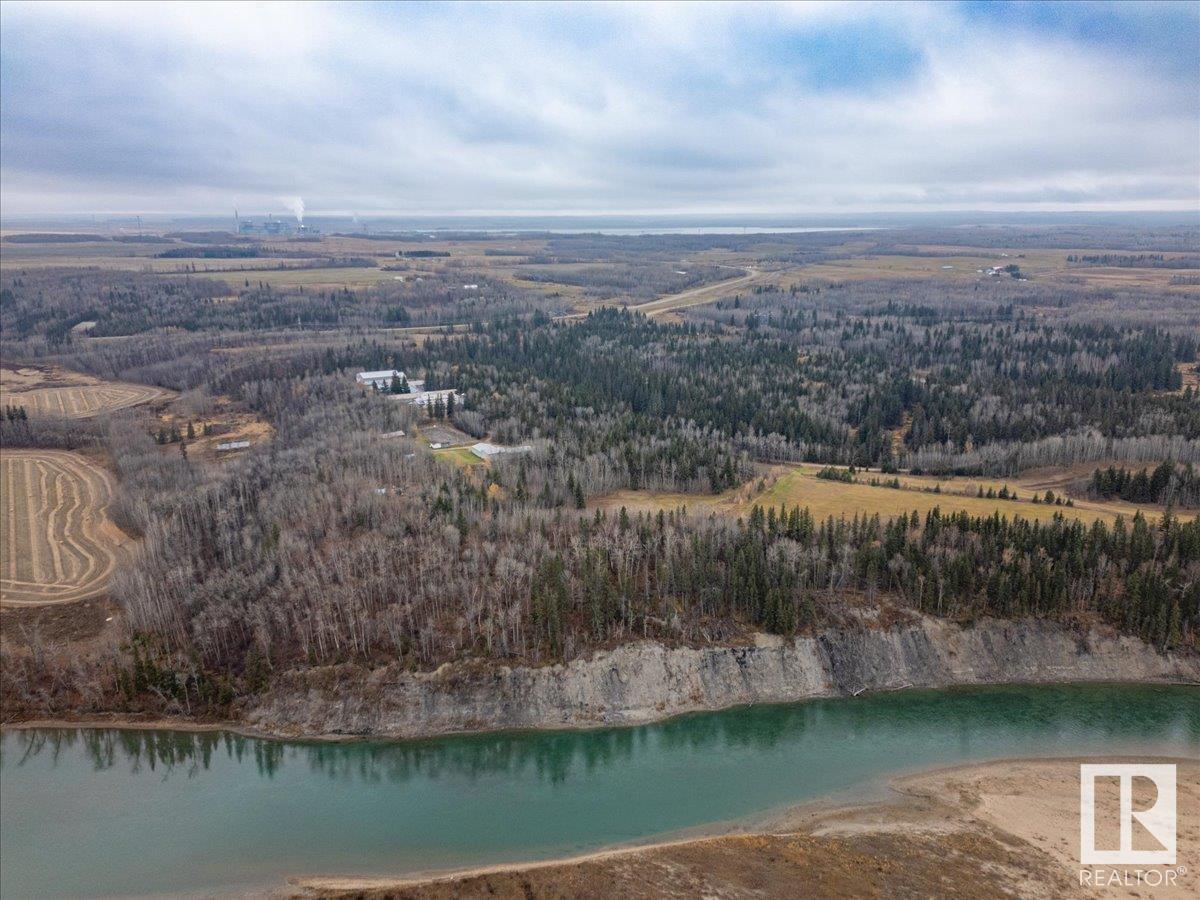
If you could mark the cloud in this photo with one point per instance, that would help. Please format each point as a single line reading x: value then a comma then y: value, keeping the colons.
x: 428, y: 108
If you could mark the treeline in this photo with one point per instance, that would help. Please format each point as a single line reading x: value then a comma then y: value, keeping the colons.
x: 48, y: 303
x: 1138, y: 260
x: 1167, y: 484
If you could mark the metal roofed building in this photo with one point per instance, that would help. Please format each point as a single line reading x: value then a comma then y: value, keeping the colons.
x: 485, y: 450
x: 381, y: 379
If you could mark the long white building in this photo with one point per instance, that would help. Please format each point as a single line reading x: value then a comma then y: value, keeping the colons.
x: 381, y: 379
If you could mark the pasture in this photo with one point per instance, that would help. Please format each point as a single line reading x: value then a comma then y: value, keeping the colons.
x: 57, y: 540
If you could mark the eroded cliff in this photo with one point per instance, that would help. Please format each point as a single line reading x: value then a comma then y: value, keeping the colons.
x: 645, y: 681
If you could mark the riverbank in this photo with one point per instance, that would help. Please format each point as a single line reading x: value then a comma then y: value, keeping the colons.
x: 1008, y: 827
x: 646, y: 682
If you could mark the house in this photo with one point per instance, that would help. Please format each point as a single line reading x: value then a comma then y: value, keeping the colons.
x: 381, y: 379
x: 232, y: 445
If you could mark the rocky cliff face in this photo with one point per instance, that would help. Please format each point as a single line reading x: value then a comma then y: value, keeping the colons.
x: 646, y: 681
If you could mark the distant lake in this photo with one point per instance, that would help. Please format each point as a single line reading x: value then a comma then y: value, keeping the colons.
x: 701, y: 229
x: 126, y: 812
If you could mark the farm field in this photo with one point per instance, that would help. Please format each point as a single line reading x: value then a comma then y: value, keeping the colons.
x: 57, y: 540
x: 964, y: 263
x: 83, y: 401
x: 61, y: 393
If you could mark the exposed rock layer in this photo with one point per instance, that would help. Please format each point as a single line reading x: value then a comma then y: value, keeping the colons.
x: 646, y: 681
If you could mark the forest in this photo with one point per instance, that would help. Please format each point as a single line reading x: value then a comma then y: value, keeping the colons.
x: 329, y: 544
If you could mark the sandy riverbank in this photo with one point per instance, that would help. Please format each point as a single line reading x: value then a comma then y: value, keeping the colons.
x: 1005, y: 828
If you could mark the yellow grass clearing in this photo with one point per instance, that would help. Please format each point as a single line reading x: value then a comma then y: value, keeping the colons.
x: 57, y: 543
x: 460, y: 456
x: 834, y: 498
x: 798, y: 486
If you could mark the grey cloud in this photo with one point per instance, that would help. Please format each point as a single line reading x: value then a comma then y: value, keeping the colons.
x: 608, y: 108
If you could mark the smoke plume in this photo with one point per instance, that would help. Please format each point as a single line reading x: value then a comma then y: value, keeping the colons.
x: 296, y: 205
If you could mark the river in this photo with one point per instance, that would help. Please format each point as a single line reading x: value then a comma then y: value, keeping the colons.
x: 106, y: 812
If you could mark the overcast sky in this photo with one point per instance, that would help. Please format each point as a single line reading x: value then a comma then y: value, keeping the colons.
x: 623, y: 108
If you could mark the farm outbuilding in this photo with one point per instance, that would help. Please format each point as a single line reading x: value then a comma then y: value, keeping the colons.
x: 381, y: 379
x: 485, y: 450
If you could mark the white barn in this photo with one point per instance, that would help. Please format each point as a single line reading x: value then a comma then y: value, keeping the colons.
x: 381, y: 379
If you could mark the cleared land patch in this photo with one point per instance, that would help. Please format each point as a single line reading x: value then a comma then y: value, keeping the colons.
x: 798, y: 485
x: 56, y: 540
x: 70, y: 395
x: 460, y: 456
x: 966, y: 263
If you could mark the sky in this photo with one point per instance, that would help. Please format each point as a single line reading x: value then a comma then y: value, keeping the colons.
x: 629, y: 108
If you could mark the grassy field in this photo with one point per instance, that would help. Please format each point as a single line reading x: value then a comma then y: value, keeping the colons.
x: 319, y: 277
x: 965, y: 263
x: 834, y: 498
x: 799, y: 486
x: 460, y: 456
x: 58, y: 543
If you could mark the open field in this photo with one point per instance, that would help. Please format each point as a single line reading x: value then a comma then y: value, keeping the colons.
x: 83, y: 401
x: 460, y: 456
x: 26, y: 378
x: 965, y: 263
x: 801, y: 487
x: 324, y: 276
x: 58, y: 543
x: 54, y: 391
x: 798, y: 485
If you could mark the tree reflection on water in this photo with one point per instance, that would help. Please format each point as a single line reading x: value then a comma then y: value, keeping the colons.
x: 1128, y: 712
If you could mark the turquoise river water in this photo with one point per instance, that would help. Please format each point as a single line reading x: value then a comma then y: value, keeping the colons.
x: 94, y: 812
